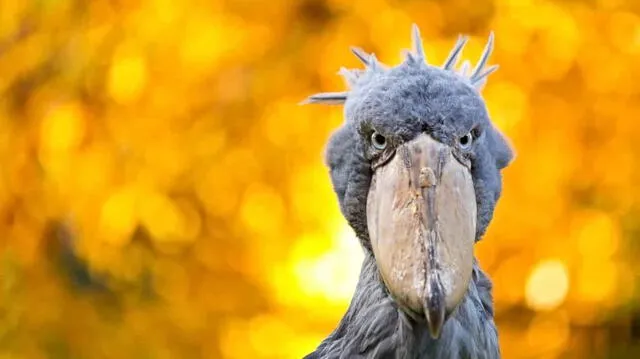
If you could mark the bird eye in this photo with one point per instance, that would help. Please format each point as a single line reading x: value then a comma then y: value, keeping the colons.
x: 378, y: 141
x: 466, y: 141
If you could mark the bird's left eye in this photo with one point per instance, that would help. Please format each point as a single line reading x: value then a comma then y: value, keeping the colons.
x: 378, y: 141
x: 466, y: 141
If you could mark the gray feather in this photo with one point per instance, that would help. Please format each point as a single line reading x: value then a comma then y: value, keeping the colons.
x: 480, y: 80
x: 417, y: 43
x: 488, y: 49
x: 466, y: 65
x: 350, y: 76
x: 373, y: 63
x: 484, y: 74
x: 361, y: 55
x: 454, y: 55
x: 327, y: 98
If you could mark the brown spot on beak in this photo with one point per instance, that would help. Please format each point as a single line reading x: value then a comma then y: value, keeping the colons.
x: 427, y: 177
x: 421, y: 215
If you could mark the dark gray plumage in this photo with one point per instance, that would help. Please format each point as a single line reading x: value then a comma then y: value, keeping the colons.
x: 400, y: 103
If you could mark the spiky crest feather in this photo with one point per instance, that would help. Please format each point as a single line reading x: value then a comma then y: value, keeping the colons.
x: 477, y: 77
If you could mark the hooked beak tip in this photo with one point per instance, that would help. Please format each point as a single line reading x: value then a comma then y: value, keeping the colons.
x: 434, y: 310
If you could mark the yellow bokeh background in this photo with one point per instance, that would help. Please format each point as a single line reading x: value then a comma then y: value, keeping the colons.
x: 163, y: 195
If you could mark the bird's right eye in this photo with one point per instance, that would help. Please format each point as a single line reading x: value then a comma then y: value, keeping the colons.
x: 466, y: 141
x: 378, y: 141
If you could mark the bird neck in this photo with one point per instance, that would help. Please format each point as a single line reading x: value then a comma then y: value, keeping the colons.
x: 374, y: 326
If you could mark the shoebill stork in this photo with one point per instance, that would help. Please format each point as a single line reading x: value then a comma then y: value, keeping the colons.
x: 416, y: 167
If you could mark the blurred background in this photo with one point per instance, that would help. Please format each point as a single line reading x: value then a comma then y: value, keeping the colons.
x: 162, y: 194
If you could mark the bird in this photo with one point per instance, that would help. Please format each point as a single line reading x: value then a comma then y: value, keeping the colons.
x: 417, y: 168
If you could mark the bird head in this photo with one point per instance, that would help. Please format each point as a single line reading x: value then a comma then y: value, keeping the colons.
x: 416, y: 167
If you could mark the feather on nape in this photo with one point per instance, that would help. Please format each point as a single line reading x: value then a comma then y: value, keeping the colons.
x: 477, y: 76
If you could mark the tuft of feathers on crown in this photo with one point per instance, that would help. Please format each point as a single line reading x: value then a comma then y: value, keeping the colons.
x: 477, y: 77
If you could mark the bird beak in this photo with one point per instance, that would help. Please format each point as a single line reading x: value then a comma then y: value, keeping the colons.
x: 421, y: 216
